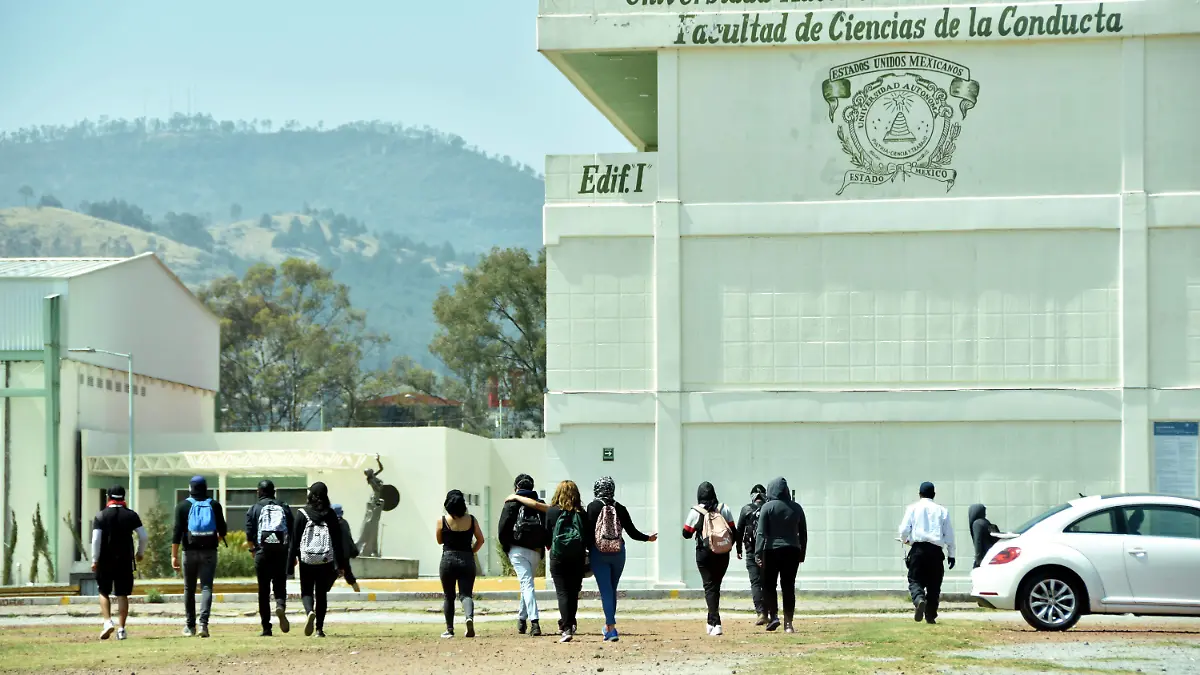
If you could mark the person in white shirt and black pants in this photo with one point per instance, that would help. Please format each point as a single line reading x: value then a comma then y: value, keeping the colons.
x: 926, y: 526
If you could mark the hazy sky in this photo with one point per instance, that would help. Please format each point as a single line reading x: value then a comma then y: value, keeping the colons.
x: 469, y: 67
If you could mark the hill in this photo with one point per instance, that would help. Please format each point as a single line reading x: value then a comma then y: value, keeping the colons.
x: 391, y: 277
x: 420, y: 183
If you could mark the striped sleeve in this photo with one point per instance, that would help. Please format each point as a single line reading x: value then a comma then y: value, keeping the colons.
x: 692, y: 521
x: 728, y: 516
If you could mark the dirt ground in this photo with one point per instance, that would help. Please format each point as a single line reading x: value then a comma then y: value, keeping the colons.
x: 876, y: 645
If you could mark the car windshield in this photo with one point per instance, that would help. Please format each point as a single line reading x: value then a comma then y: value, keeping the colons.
x: 1025, y: 528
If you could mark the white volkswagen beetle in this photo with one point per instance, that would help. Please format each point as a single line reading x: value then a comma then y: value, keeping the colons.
x: 1118, y: 554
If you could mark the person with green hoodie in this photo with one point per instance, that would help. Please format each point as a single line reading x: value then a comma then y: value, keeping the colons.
x: 780, y: 546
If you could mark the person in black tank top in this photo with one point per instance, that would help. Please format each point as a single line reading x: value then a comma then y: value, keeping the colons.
x: 460, y: 537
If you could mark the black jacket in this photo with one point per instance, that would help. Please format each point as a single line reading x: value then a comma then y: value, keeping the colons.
x: 348, y: 545
x: 781, y: 523
x: 181, y: 528
x: 981, y: 532
x: 252, y: 520
x: 508, y: 520
x: 741, y: 523
x: 335, y: 537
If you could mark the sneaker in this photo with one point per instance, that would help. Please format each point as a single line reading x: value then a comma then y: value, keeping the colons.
x: 919, y: 614
x: 203, y: 630
x: 188, y: 631
x: 310, y: 624
x: 566, y: 637
x: 761, y: 621
x: 773, y: 624
x: 355, y: 587
x: 281, y: 614
x: 470, y: 628
x: 788, y: 628
x: 266, y: 632
x: 614, y: 636
x: 108, y: 630
x: 121, y: 635
x: 535, y: 629
x: 320, y: 633
x: 447, y: 635
x: 522, y: 626
x: 717, y: 631
x: 931, y: 621
x: 708, y: 629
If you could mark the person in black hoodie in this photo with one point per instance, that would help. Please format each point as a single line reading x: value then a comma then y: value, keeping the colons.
x: 983, y: 532
x: 780, y: 546
x: 747, y: 529
x: 317, y: 544
x: 199, y: 550
x: 711, y: 564
x: 348, y: 545
x: 522, y: 535
x: 268, y: 527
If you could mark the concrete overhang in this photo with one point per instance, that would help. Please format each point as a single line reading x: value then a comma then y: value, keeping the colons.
x: 623, y: 85
x: 230, y: 462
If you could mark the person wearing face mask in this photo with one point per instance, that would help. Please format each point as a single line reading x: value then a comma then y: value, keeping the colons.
x: 711, y: 524
x: 747, y: 529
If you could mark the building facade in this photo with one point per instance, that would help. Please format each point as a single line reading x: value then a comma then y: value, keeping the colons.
x: 50, y: 395
x: 867, y: 244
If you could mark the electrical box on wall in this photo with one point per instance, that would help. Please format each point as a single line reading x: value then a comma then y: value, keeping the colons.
x: 608, y: 455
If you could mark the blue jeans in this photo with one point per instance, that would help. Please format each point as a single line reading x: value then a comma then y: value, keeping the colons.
x: 607, y: 567
x: 525, y: 562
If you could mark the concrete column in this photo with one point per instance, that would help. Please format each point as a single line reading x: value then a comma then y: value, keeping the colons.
x: 221, y: 483
x: 668, y: 329
x: 1136, y: 456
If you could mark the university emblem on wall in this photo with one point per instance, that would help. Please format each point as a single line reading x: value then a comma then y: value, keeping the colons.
x: 900, y: 120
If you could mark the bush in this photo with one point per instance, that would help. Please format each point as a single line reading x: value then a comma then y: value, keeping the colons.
x: 506, y: 568
x: 157, y: 563
x: 154, y: 596
x: 235, y: 560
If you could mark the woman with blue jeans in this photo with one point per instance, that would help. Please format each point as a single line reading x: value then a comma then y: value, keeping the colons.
x: 608, y: 520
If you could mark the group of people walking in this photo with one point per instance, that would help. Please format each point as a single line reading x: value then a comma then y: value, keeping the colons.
x: 314, y: 538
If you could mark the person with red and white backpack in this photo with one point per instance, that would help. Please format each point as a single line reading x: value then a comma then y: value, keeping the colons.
x: 608, y: 521
x: 711, y: 524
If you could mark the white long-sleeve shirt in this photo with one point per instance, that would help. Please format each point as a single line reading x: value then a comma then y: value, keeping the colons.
x: 926, y: 521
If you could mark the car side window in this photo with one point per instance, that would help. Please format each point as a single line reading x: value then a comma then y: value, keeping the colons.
x: 1163, y: 521
x: 1103, y: 522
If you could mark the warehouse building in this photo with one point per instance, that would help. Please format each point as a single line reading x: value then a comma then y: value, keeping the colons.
x: 867, y: 246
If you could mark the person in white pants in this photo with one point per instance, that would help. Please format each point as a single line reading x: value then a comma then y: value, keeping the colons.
x: 523, y: 536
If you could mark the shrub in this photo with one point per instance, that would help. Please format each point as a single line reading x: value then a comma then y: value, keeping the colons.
x: 154, y: 596
x: 506, y: 568
x: 235, y: 560
x: 157, y: 563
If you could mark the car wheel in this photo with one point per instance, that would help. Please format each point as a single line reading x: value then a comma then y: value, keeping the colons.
x: 1051, y: 601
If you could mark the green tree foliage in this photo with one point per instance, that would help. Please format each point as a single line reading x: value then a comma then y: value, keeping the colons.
x: 411, y: 180
x: 493, y: 326
x: 291, y: 347
x: 10, y: 548
x: 157, y: 562
x: 49, y: 200
x: 187, y: 228
x: 26, y: 193
x: 234, y: 560
x: 119, y: 211
x: 41, y: 549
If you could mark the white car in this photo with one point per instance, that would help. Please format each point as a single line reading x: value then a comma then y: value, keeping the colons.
x: 1118, y: 554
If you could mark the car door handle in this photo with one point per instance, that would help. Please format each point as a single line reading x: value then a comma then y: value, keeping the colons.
x: 1137, y: 551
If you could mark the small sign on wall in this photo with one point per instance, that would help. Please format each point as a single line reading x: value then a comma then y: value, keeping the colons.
x: 608, y: 455
x: 1176, y: 446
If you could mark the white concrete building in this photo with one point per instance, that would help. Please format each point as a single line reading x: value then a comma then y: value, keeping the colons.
x: 866, y: 244
x: 50, y: 395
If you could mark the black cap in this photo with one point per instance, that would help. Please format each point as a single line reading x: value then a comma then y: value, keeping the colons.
x: 116, y: 492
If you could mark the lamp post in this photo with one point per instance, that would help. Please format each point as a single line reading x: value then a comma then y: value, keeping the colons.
x: 132, y: 488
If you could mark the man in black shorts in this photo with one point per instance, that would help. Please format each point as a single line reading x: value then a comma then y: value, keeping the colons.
x: 113, y: 557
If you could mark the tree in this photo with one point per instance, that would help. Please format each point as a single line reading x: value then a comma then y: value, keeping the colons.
x: 291, y: 344
x: 235, y: 211
x: 187, y: 228
x: 119, y: 211
x: 26, y: 193
x: 266, y: 222
x: 49, y: 200
x: 492, y: 327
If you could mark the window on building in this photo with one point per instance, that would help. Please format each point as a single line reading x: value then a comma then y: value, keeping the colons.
x: 91, y: 381
x: 143, y: 391
x: 108, y: 385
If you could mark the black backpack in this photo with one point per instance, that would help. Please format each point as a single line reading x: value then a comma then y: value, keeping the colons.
x: 750, y: 531
x: 530, y: 530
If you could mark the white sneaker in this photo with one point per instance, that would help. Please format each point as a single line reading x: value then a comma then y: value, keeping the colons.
x: 717, y: 630
x: 566, y: 636
x: 108, y: 630
x: 708, y: 629
x: 121, y: 634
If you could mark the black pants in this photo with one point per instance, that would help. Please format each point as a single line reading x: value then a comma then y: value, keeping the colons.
x: 755, y: 574
x: 925, y: 574
x: 271, y: 569
x: 780, y: 566
x: 349, y: 574
x: 568, y: 582
x: 315, y: 582
x: 712, y: 568
x: 457, y: 569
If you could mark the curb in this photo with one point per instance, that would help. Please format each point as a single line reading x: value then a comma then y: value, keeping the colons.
x: 399, y: 596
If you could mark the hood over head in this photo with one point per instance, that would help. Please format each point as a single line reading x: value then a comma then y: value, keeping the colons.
x: 605, y: 489
x: 778, y: 489
x: 706, y: 496
x: 975, y: 512
x: 198, y: 487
